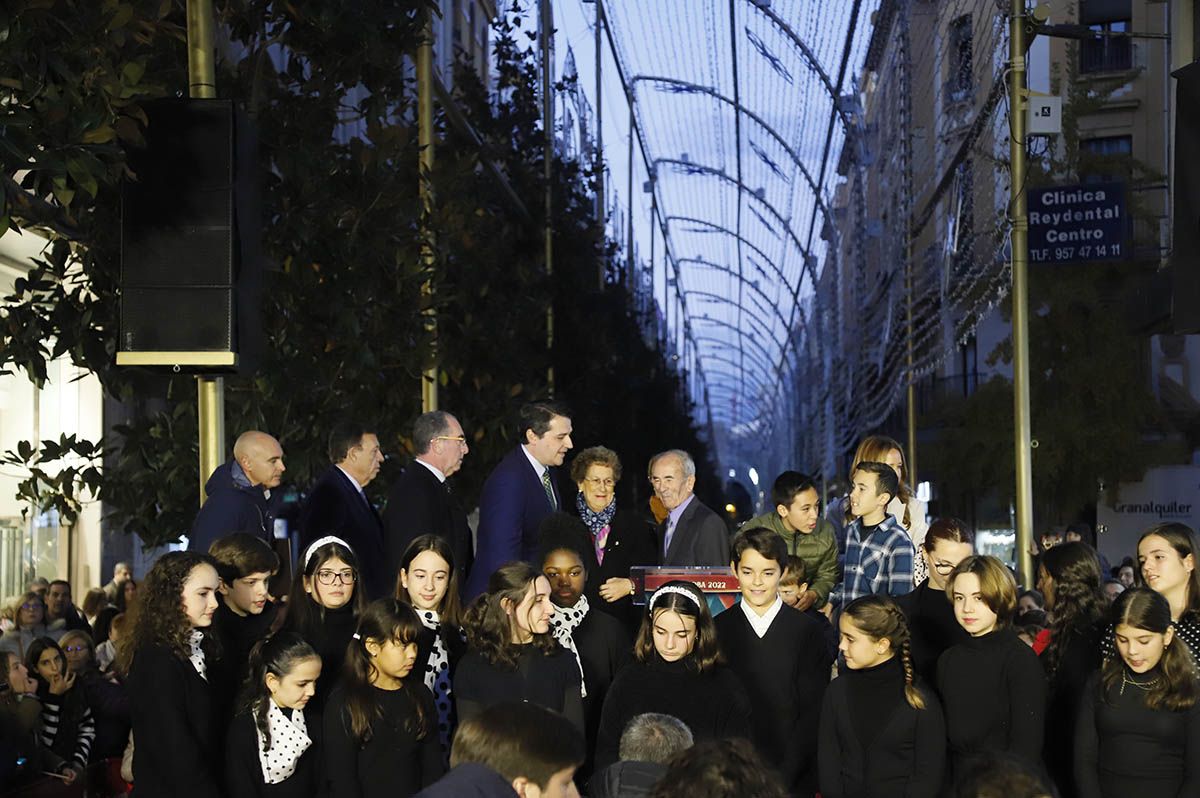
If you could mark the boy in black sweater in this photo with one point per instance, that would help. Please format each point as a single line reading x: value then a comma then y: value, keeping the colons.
x: 792, y: 586
x: 245, y: 612
x: 781, y: 657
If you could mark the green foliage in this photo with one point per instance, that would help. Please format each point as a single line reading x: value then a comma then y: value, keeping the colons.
x: 342, y: 307
x: 60, y: 474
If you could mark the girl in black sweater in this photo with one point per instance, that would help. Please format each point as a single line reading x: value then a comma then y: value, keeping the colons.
x: 993, y: 688
x: 928, y: 610
x: 676, y: 671
x: 428, y: 582
x: 380, y: 723
x: 177, y: 749
x: 513, y: 656
x: 1069, y: 578
x: 1139, y: 728
x: 269, y: 752
x: 323, y: 608
x: 882, y: 734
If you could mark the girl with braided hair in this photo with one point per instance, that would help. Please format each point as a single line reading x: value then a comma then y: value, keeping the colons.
x: 881, y: 731
x: 1069, y: 578
x: 270, y: 751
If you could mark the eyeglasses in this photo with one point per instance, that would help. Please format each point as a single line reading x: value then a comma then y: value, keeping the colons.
x: 75, y: 649
x: 346, y: 577
x: 944, y: 567
x: 600, y: 483
x: 32, y: 607
x: 456, y: 438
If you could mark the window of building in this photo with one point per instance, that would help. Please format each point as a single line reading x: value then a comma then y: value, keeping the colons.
x: 960, y: 82
x: 1104, y: 159
x: 1106, y: 53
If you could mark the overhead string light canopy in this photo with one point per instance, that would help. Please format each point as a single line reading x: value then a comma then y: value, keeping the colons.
x: 742, y: 108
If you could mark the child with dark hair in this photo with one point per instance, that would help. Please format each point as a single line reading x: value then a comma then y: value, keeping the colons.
x: 597, y: 639
x: 512, y: 749
x: 244, y: 616
x: 167, y: 655
x: 676, y: 671
x: 928, y: 610
x: 796, y: 519
x: 428, y: 582
x: 1167, y: 555
x: 992, y: 686
x: 1069, y: 578
x: 779, y: 655
x: 323, y: 608
x: 719, y: 769
x: 380, y: 722
x: 1139, y: 726
x: 882, y: 731
x: 792, y: 585
x: 879, y: 551
x: 270, y: 751
x: 512, y: 652
x: 68, y: 727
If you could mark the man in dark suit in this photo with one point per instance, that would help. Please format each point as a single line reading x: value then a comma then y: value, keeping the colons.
x: 337, y: 505
x: 692, y: 534
x: 420, y: 502
x: 520, y: 492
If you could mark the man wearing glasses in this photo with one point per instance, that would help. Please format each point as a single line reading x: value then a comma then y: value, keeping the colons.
x: 421, y: 501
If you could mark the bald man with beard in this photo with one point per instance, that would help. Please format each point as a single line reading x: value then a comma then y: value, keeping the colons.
x: 239, y: 493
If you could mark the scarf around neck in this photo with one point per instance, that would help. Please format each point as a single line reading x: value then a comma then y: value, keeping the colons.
x: 196, y: 653
x: 289, y: 741
x: 598, y: 523
x: 437, y: 675
x: 562, y: 626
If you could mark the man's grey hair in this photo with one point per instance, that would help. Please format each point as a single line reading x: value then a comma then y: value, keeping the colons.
x: 654, y: 737
x: 689, y: 465
x: 427, y: 427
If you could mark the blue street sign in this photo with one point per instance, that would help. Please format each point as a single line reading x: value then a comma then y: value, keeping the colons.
x: 1068, y: 224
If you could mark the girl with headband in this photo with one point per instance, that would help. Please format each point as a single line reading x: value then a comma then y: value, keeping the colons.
x: 324, y: 606
x: 676, y: 671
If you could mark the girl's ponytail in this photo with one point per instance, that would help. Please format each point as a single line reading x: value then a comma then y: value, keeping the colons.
x: 911, y: 693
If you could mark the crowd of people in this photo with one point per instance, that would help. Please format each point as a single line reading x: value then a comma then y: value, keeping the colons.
x: 872, y: 652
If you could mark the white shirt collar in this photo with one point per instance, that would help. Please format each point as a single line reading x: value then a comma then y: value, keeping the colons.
x: 437, y: 472
x: 761, y: 623
x: 538, y: 468
x: 353, y: 481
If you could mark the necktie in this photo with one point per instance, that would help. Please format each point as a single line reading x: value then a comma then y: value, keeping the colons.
x: 670, y: 533
x: 549, y: 490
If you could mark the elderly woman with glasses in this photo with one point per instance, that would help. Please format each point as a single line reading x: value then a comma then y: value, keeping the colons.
x: 104, y: 694
x: 620, y: 539
x: 29, y: 616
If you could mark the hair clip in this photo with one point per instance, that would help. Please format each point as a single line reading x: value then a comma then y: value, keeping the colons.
x: 683, y: 591
x: 356, y: 636
x: 318, y: 543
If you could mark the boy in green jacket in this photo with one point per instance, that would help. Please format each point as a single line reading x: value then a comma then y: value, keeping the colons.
x: 797, y: 519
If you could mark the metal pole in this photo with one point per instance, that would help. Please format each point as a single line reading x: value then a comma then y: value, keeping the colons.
x: 911, y: 392
x: 1020, y: 294
x: 202, y: 84
x: 546, y: 34
x: 600, y: 209
x: 429, y: 376
x: 629, y: 216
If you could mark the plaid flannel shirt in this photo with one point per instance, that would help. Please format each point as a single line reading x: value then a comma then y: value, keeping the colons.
x: 882, y: 563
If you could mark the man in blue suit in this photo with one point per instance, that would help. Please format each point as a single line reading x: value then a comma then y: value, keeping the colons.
x: 520, y: 492
x: 337, y: 505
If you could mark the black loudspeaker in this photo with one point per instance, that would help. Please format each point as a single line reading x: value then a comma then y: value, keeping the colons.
x: 190, y: 226
x: 1185, y: 222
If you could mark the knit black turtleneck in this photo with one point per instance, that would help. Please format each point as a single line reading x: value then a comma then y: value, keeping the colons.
x: 873, y: 694
x: 873, y: 742
x: 933, y: 627
x: 994, y: 695
x: 712, y: 704
x: 1123, y: 747
x: 330, y: 640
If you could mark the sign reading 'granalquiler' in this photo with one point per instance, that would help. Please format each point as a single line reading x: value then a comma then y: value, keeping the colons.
x: 1077, y: 223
